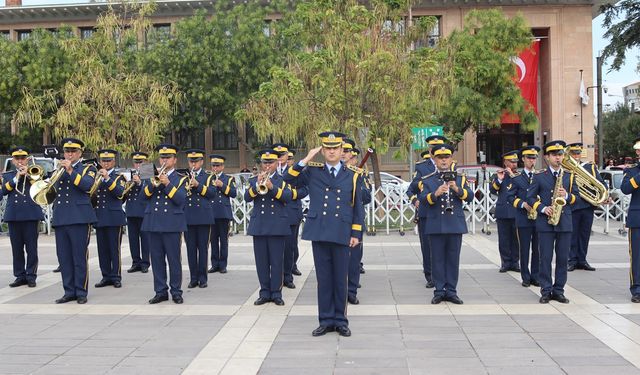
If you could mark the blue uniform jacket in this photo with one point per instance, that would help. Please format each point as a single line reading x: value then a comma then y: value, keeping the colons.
x: 73, y: 203
x: 581, y: 203
x: 222, y: 200
x: 335, y: 209
x: 165, y: 207
x: 423, y: 168
x: 517, y: 197
x: 295, y: 206
x: 440, y: 221
x: 504, y: 210
x: 19, y: 207
x: 269, y: 216
x: 630, y: 184
x: 109, y: 196
x: 136, y: 203
x: 539, y: 196
x: 199, y: 208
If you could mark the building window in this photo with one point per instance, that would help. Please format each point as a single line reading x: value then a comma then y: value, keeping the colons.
x: 86, y: 32
x: 225, y: 135
x: 266, y: 28
x: 5, y: 34
x: 23, y: 34
x: 433, y: 35
x: 157, y: 33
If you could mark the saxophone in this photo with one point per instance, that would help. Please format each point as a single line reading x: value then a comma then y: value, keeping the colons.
x: 557, y: 202
x: 533, y: 214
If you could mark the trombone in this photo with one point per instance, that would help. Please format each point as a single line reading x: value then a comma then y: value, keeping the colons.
x: 155, y: 180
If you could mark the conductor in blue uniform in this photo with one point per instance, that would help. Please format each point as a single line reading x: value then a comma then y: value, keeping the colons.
x: 72, y: 219
x: 444, y: 191
x: 135, y: 206
x: 269, y: 226
x: 631, y: 185
x: 199, y: 212
x: 225, y: 190
x: 111, y: 219
x: 165, y: 221
x: 334, y: 224
x: 553, y: 238
x: 506, y: 214
x: 22, y: 216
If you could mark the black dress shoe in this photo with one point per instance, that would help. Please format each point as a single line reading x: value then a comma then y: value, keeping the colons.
x: 545, y: 298
x: 296, y: 272
x: 535, y: 283
x: 359, y: 286
x: 353, y: 300
x: 261, y: 301
x: 362, y: 269
x: 144, y: 270
x: 103, y: 283
x: 18, y: 282
x: 66, y: 299
x: 177, y: 299
x: 203, y: 285
x: 82, y: 300
x: 560, y: 298
x: 504, y: 269
x: 290, y: 285
x: 117, y: 284
x: 31, y: 284
x: 526, y: 284
x: 135, y: 268
x: 430, y: 284
x: 635, y: 298
x: 343, y: 331
x: 515, y: 269
x: 321, y: 331
x: 157, y: 299
x: 278, y: 301
x: 57, y: 269
x: 192, y: 284
x: 212, y: 270
x: 223, y: 270
x: 587, y: 267
x: 454, y: 299
x: 437, y: 299
x: 571, y: 267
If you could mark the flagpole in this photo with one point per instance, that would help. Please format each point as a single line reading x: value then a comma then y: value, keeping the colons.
x: 581, y: 122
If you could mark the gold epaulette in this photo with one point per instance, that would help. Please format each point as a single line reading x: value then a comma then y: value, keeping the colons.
x: 355, y: 169
x: 315, y: 164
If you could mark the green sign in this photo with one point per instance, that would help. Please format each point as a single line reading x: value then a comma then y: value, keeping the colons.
x: 419, y: 135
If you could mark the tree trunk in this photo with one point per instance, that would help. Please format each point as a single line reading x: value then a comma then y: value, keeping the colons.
x: 46, y: 136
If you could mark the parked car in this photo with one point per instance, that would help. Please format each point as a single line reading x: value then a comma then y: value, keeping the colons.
x: 46, y: 163
x: 613, y: 180
x: 389, y: 179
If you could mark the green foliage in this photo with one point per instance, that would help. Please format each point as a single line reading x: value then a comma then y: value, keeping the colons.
x: 484, y: 86
x: 620, y: 128
x: 622, y: 20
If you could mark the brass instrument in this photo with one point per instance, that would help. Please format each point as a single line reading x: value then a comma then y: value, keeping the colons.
x: 155, y: 180
x: 261, y: 183
x: 34, y: 173
x: 589, y: 188
x: 192, y: 177
x: 557, y: 202
x: 509, y: 171
x: 533, y: 214
x: 129, y: 184
x: 43, y: 192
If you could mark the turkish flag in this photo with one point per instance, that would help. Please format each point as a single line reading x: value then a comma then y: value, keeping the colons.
x: 527, y: 79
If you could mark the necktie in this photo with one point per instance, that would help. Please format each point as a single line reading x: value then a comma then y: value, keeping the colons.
x: 333, y: 172
x: 555, y: 174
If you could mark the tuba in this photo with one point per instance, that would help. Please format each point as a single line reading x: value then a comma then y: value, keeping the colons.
x: 589, y: 188
x: 557, y: 202
x: 43, y: 192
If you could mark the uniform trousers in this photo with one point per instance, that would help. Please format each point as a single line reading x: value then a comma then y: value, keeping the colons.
x: 296, y: 251
x: 109, y: 240
x: 582, y: 223
x: 197, y: 238
x: 445, y: 258
x: 24, y: 239
x: 354, y: 269
x: 165, y: 247
x: 550, y: 242
x: 528, y: 244
x: 138, y: 242
x: 72, y: 243
x: 219, y: 243
x: 291, y: 244
x: 634, y: 261
x: 425, y: 248
x: 331, y: 261
x: 507, y: 242
x: 269, y: 254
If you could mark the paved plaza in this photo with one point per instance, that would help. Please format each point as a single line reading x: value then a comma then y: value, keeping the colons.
x: 500, y: 329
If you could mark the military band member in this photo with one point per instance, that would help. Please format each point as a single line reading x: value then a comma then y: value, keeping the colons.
x: 424, y: 168
x: 631, y: 185
x: 582, y: 216
x: 295, y: 218
x: 282, y: 150
x: 72, y: 219
x: 200, y: 218
x: 334, y: 224
x: 444, y: 192
x: 225, y: 188
x: 350, y: 157
x: 165, y: 221
x: 111, y: 219
x: 135, y: 207
x: 552, y: 238
x: 527, y: 236
x: 23, y: 216
x: 505, y: 213
x: 269, y: 227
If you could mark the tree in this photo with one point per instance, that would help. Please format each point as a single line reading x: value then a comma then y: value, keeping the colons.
x: 620, y: 127
x: 354, y: 72
x: 103, y: 101
x: 484, y: 87
x: 622, y: 20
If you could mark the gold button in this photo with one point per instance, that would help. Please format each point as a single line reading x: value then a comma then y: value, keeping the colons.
x: 338, y: 198
x: 326, y: 197
x: 324, y: 213
x: 325, y: 205
x: 336, y: 215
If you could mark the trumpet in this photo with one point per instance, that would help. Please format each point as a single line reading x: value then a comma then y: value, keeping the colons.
x: 155, y: 180
x: 192, y: 177
x: 261, y: 183
x: 129, y: 184
x: 509, y: 172
x: 34, y: 173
